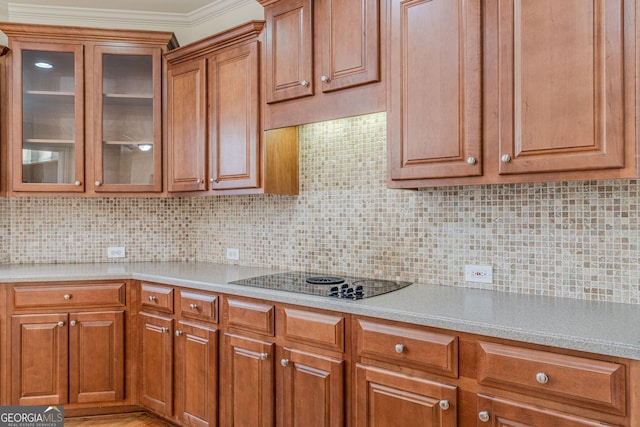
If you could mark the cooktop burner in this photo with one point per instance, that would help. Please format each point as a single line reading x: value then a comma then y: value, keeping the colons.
x: 352, y: 288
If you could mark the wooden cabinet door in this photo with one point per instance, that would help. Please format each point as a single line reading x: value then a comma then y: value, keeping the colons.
x: 39, y: 354
x: 196, y: 375
x: 312, y: 390
x: 495, y: 412
x: 435, y: 105
x: 234, y: 118
x: 349, y: 44
x: 561, y: 84
x: 127, y: 119
x: 96, y: 357
x: 289, y: 39
x: 247, y: 386
x: 385, y: 398
x: 47, y: 117
x: 186, y: 124
x: 156, y: 362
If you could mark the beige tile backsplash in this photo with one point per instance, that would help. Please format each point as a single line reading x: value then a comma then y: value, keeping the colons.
x: 572, y: 239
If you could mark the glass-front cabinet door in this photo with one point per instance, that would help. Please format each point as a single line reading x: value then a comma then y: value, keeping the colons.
x: 127, y: 119
x: 49, y: 118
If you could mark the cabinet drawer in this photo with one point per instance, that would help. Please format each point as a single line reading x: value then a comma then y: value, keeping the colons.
x: 413, y: 347
x: 317, y: 329
x: 250, y: 316
x: 585, y: 382
x: 156, y: 297
x: 69, y: 295
x: 199, y: 306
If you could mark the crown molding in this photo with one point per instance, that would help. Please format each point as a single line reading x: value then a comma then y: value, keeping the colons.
x: 64, y: 15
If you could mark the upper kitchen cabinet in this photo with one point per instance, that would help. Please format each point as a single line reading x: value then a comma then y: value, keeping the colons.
x: 322, y: 60
x: 216, y: 144
x: 556, y: 99
x: 84, y: 110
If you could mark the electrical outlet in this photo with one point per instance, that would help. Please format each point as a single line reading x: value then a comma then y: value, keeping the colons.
x: 478, y: 273
x: 116, y: 252
x: 233, y: 254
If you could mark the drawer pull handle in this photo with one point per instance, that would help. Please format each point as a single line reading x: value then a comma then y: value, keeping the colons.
x: 178, y: 333
x: 444, y: 405
x: 61, y: 324
x: 193, y: 306
x: 284, y: 362
x: 164, y: 329
x: 484, y: 416
x: 72, y: 323
x: 263, y: 356
x: 542, y: 378
x: 67, y: 296
x: 399, y: 348
x: 152, y: 298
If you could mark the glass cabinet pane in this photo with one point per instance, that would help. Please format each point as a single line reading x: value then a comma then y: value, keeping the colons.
x: 128, y: 119
x: 48, y: 117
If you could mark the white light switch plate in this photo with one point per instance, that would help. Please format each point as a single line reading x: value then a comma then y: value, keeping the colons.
x: 478, y: 273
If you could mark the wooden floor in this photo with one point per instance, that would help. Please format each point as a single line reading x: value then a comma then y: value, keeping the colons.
x: 137, y: 419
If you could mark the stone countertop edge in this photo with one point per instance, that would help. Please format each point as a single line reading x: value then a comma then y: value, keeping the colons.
x: 591, y: 326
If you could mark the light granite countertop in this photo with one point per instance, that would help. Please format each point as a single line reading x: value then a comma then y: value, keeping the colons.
x: 597, y: 327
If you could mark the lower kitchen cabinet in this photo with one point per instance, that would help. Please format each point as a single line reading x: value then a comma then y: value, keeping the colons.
x: 312, y: 390
x: 247, y: 382
x: 67, y: 358
x: 156, y: 364
x: 493, y: 411
x: 179, y: 355
x: 386, y: 398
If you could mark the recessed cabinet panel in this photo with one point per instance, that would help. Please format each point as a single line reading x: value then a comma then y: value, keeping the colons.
x: 350, y: 43
x: 435, y: 105
x: 187, y: 106
x: 129, y: 128
x: 562, y: 86
x: 49, y: 93
x: 235, y: 118
x: 289, y: 64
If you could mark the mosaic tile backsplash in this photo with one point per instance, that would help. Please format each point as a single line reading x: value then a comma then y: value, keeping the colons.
x: 572, y: 239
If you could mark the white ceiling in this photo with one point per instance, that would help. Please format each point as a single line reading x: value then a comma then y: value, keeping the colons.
x: 163, y: 6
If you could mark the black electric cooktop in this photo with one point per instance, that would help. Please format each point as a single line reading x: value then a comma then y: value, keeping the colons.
x: 352, y: 288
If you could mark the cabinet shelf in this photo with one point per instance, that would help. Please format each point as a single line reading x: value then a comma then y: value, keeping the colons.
x: 127, y: 99
x: 48, y: 141
x: 48, y: 93
x: 140, y: 142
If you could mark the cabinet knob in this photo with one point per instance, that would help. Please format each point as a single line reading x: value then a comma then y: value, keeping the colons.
x: 77, y: 183
x: 484, y: 416
x: 193, y: 306
x: 506, y: 158
x: 61, y: 324
x: 284, y: 362
x: 399, y: 348
x: 304, y: 83
x: 444, y: 405
x: 98, y: 183
x: 67, y: 296
x: 211, y: 180
x: 199, y: 181
x: 542, y: 378
x: 178, y: 333
x: 324, y: 79
x: 72, y: 323
x: 152, y: 298
x: 263, y: 356
x: 471, y: 160
x: 164, y: 329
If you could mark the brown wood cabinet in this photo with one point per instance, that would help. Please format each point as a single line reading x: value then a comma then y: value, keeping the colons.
x: 85, y: 110
x: 72, y: 357
x: 510, y: 91
x: 216, y: 143
x: 316, y: 49
x: 179, y: 354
